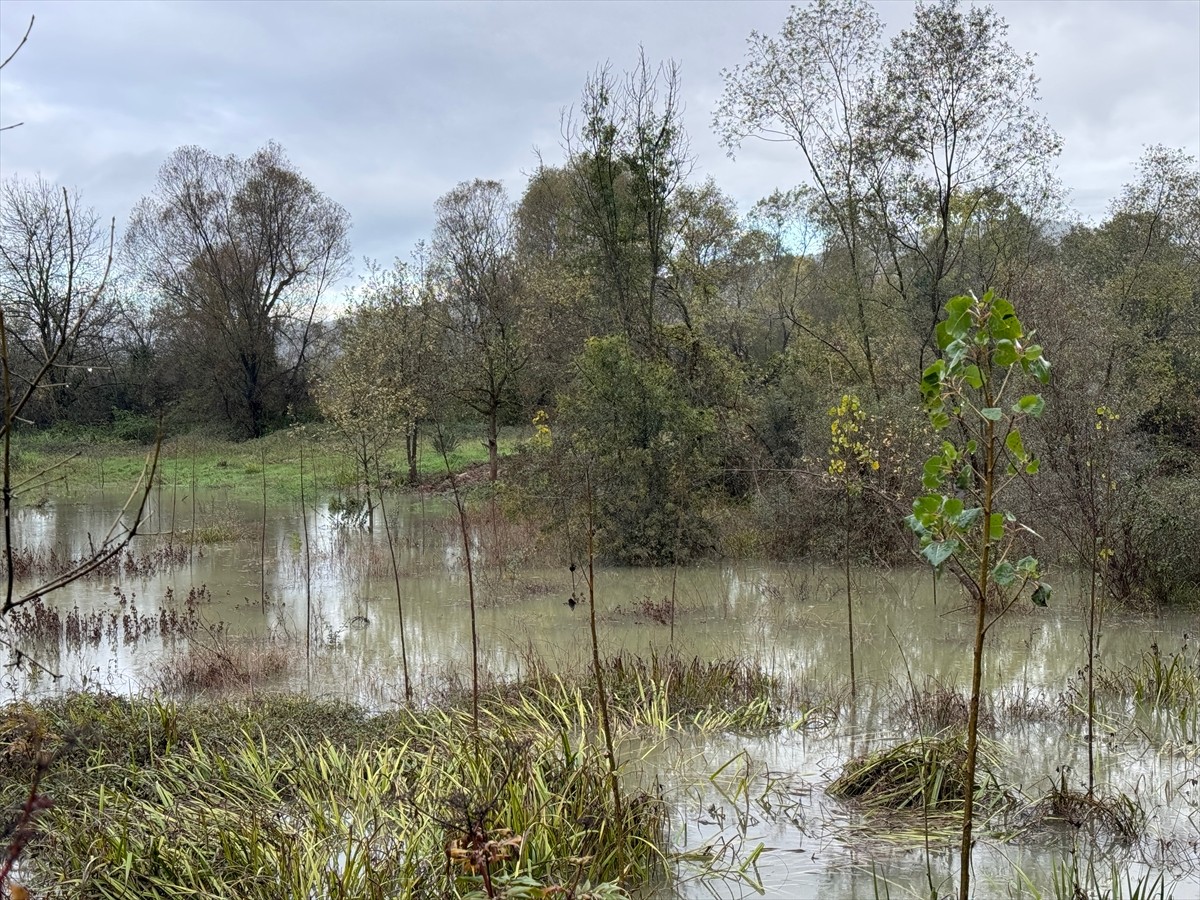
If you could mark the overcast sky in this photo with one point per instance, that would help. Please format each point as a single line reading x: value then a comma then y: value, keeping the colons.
x: 386, y: 106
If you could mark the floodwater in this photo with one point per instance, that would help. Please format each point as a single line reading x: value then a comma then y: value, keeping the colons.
x: 312, y: 577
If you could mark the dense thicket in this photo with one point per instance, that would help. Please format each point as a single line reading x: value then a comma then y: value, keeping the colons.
x: 680, y: 356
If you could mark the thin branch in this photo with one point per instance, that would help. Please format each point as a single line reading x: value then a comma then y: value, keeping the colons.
x: 10, y: 56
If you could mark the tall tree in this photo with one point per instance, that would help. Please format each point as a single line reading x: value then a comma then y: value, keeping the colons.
x: 955, y: 128
x: 53, y: 261
x: 628, y: 155
x: 812, y: 86
x: 240, y: 253
x: 474, y: 253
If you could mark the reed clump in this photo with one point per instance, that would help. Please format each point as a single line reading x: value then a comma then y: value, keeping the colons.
x: 925, y: 774
x: 217, y: 664
x: 1115, y: 816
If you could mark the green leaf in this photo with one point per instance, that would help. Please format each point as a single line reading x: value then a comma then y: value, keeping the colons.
x: 1015, y: 445
x: 1039, y: 368
x: 937, y: 552
x: 963, y: 480
x: 969, y: 517
x: 927, y: 505
x: 939, y: 420
x: 1004, y: 574
x: 992, y: 413
x: 958, y: 319
x: 1003, y: 322
x: 952, y: 508
x: 933, y: 472
x: 1005, y: 353
x: 1032, y: 467
x: 973, y: 377
x: 996, y: 527
x: 1042, y: 595
x: 1030, y: 405
x: 1027, y: 566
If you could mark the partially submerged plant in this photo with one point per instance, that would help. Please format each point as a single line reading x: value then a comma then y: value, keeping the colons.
x: 985, y: 354
x: 851, y: 456
x: 926, y: 774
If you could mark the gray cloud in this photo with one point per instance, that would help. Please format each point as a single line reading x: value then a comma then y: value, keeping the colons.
x: 385, y: 106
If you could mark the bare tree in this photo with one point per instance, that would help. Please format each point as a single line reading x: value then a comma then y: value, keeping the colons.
x: 53, y: 263
x: 240, y: 252
x: 19, y: 389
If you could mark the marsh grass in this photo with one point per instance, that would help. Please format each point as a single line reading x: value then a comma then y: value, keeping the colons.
x: 936, y: 707
x: 29, y: 563
x: 1071, y: 881
x: 927, y: 774
x: 1170, y: 681
x: 213, y: 663
x: 658, y: 693
x: 44, y: 624
x: 290, y: 797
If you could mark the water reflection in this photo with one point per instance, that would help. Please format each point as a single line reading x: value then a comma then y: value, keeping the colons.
x: 791, y: 618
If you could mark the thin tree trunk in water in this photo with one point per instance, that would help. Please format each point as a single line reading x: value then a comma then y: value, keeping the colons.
x: 6, y: 487
x: 262, y: 545
x: 192, y: 532
x: 387, y: 530
x: 850, y: 602
x: 307, y: 577
x: 596, y: 667
x: 1091, y: 665
x: 466, y: 539
x: 989, y: 477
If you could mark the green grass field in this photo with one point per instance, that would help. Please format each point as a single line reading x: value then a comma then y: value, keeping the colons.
x: 59, y: 459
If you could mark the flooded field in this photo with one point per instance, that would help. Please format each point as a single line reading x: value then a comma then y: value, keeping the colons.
x: 309, y: 604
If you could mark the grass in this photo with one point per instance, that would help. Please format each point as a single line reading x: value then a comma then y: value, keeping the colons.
x: 925, y: 774
x: 219, y: 464
x: 292, y: 797
x: 287, y: 796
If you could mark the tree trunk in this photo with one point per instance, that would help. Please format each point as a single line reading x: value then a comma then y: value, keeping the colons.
x: 493, y: 445
x: 410, y: 449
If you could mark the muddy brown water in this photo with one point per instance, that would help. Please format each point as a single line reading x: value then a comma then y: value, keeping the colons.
x: 731, y: 795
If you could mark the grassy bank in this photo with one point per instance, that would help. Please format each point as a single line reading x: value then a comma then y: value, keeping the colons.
x: 78, y: 457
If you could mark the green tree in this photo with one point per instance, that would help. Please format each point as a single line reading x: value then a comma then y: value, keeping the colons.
x: 985, y: 354
x: 474, y: 256
x: 627, y: 422
x: 628, y: 156
x: 377, y: 386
